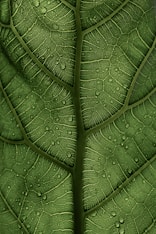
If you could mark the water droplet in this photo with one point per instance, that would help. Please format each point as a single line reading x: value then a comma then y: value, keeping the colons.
x: 70, y: 132
x: 94, y: 214
x: 113, y: 162
x: 117, y: 88
x: 38, y: 213
x: 63, y: 66
x: 123, y: 138
x: 121, y: 220
x: 19, y: 203
x: 43, y: 10
x: 59, y: 176
x: 117, y: 224
x: 9, y: 187
x: 122, y: 231
x: 97, y: 93
x: 127, y: 125
x: 36, y: 3
x: 58, y: 142
x: 63, y: 102
x: 109, y: 176
x: 116, y: 69
x: 110, y: 80
x: 53, y: 143
x: 126, y: 147
x: 44, y: 197
x: 70, y: 119
x: 26, y: 207
x: 109, y: 137
x: 39, y: 194
x: 47, y: 128
x: 113, y: 214
x: 136, y: 159
x: 55, y: 26
x: 69, y: 155
x: 130, y: 171
x: 19, y: 226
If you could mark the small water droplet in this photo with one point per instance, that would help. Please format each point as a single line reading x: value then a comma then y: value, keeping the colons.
x: 97, y: 93
x: 70, y: 119
x: 130, y: 171
x: 123, y: 138
x: 53, y: 143
x: 63, y: 66
x: 58, y: 142
x: 113, y: 214
x: 9, y: 187
x: 116, y: 69
x: 43, y: 10
x: 122, y: 231
x: 110, y: 80
x: 59, y: 176
x: 136, y: 159
x: 121, y: 220
x: 38, y: 213
x: 117, y: 88
x: 113, y: 162
x: 70, y: 132
x: 109, y: 137
x: 126, y: 147
x: 19, y: 226
x: 117, y: 224
x: 39, y: 194
x: 47, y: 128
x: 94, y: 214
x: 44, y: 197
x: 26, y: 207
x: 69, y: 155
x: 63, y: 102
x: 127, y: 125
x: 36, y: 3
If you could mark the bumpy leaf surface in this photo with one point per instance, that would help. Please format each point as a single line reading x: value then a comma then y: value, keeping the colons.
x: 77, y: 116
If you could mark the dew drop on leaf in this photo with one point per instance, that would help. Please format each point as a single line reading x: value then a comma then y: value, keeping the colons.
x: 117, y: 224
x: 43, y: 10
x: 122, y: 231
x: 39, y: 194
x: 136, y: 160
x: 38, y: 213
x: 44, y: 197
x: 63, y: 66
x: 36, y: 3
x: 121, y: 220
x: 113, y: 214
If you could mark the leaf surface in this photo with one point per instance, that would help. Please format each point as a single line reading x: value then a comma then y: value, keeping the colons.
x: 78, y: 110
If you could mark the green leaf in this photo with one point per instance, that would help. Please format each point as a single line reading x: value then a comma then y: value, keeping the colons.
x: 77, y: 116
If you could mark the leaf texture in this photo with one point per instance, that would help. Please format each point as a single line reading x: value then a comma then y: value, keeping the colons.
x: 77, y: 116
